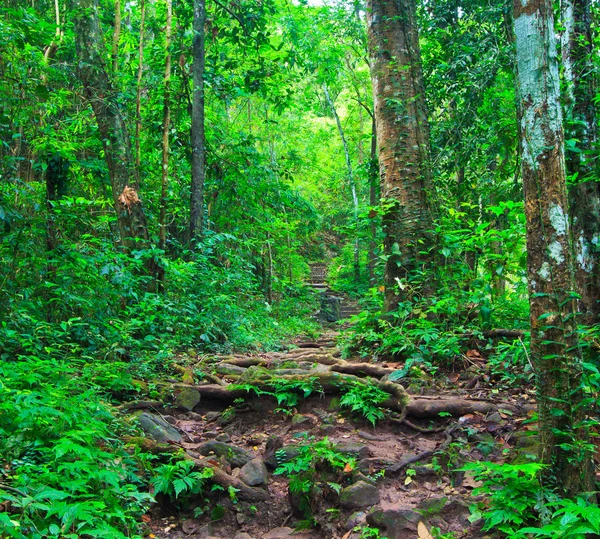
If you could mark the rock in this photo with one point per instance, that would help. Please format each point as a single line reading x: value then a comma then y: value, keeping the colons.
x: 241, y: 518
x: 157, y: 428
x: 280, y: 533
x: 235, y: 456
x: 360, y: 451
x: 256, y: 439
x: 399, y: 523
x: 226, y: 368
x: 284, y: 454
x: 330, y: 308
x: 334, y: 404
x: 371, y: 465
x: 327, y: 429
x: 223, y: 437
x: 212, y: 416
x: 355, y: 519
x: 187, y: 398
x: 242, y: 535
x: 210, y: 434
x: 254, y: 473
x: 169, y: 419
x: 298, y: 419
x: 360, y: 494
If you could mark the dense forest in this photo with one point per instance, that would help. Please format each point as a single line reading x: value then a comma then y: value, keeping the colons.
x: 299, y: 268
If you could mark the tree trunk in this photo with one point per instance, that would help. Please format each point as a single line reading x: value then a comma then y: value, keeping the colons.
x: 165, y: 130
x: 198, y: 164
x: 113, y: 131
x: 403, y: 139
x: 581, y: 161
x: 554, y: 343
x: 116, y: 37
x: 373, y: 198
x: 351, y: 181
x: 138, y: 93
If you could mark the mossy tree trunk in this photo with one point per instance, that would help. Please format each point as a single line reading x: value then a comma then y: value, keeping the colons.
x: 581, y: 159
x: 102, y: 96
x: 554, y: 346
x: 403, y: 139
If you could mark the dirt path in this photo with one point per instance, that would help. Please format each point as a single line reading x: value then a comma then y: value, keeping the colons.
x: 399, y: 477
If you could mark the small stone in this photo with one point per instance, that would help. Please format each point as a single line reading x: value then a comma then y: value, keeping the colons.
x: 235, y: 456
x: 223, y: 437
x: 279, y: 533
x: 241, y: 518
x: 254, y: 473
x: 211, y: 416
x: 494, y: 418
x: 327, y: 429
x: 360, y: 451
x: 299, y: 419
x: 210, y: 434
x: 242, y: 535
x: 187, y: 398
x: 355, y: 519
x: 334, y: 404
x: 360, y: 494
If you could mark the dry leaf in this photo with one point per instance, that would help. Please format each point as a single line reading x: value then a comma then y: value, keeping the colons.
x: 423, y: 531
x: 453, y: 377
x: 408, y: 480
x: 348, y: 468
x: 347, y: 534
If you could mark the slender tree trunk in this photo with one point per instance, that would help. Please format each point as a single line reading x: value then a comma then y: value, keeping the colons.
x: 198, y: 161
x: 403, y: 139
x: 581, y: 161
x: 162, y: 243
x: 373, y: 198
x: 116, y: 37
x: 58, y: 35
x: 138, y: 93
x: 100, y: 93
x: 554, y: 346
x: 351, y: 181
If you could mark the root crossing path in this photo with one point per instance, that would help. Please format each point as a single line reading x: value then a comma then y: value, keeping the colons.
x: 305, y: 439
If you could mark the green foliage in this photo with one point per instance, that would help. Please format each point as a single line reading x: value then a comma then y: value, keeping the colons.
x: 365, y: 399
x: 66, y: 471
x: 513, y: 491
x: 308, y: 470
x: 515, y: 502
x: 287, y: 393
x: 178, y: 479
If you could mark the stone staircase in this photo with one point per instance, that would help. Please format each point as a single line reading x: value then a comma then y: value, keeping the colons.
x: 334, y: 307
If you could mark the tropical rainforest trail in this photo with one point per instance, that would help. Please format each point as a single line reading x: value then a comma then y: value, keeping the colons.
x: 401, y: 475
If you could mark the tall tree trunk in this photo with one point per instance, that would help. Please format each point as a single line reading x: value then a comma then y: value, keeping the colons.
x: 116, y: 37
x: 101, y: 94
x: 581, y: 161
x: 162, y: 242
x: 554, y: 346
x: 351, y: 181
x: 138, y: 92
x: 198, y: 162
x: 373, y: 198
x: 403, y: 139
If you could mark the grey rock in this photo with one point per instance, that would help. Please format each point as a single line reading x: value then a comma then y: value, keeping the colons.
x: 327, y: 429
x: 235, y: 456
x: 298, y: 419
x: 187, y: 398
x: 254, y: 473
x: 226, y: 368
x: 355, y: 519
x: 360, y: 494
x: 211, y: 416
x: 223, y: 437
x: 157, y: 428
x: 281, y: 455
x: 360, y: 451
x: 399, y: 523
x: 242, y: 535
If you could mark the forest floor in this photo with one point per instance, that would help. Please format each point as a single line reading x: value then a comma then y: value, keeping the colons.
x: 404, y: 477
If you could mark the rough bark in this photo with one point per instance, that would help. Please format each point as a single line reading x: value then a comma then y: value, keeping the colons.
x: 197, y: 133
x: 162, y: 242
x: 581, y: 162
x: 554, y: 346
x: 138, y: 92
x: 403, y: 139
x: 102, y: 97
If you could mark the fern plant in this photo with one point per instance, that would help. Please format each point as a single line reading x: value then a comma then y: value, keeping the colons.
x: 179, y: 479
x: 365, y: 399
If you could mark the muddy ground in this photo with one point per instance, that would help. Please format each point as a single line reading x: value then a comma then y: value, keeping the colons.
x: 409, y: 480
